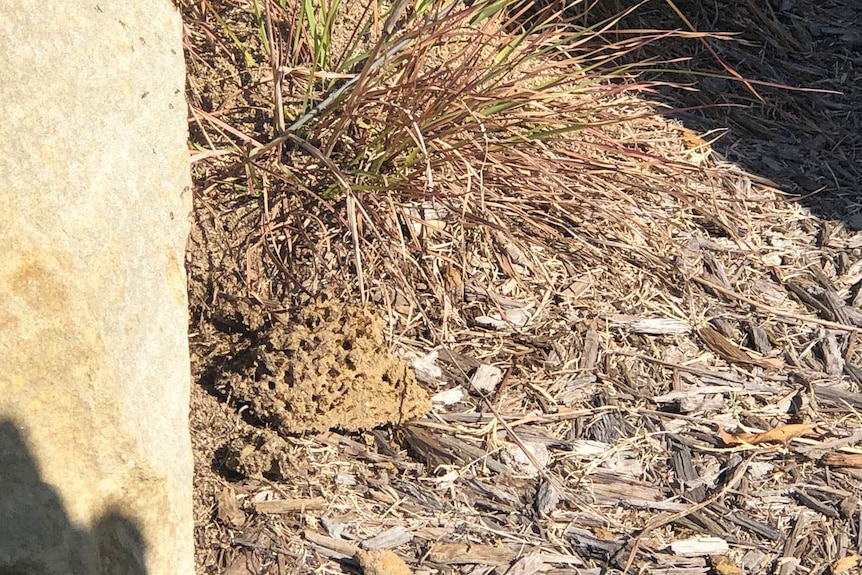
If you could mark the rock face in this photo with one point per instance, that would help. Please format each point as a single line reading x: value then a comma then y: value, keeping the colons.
x: 95, y: 456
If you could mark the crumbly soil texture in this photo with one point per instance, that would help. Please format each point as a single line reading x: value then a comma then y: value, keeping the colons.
x: 327, y: 369
x: 319, y: 364
x: 647, y: 364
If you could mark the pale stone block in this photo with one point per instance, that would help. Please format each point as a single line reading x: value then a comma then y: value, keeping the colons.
x: 95, y: 456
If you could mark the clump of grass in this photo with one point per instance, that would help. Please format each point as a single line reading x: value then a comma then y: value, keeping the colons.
x: 420, y: 121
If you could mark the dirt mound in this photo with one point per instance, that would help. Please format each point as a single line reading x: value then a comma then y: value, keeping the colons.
x: 302, y: 363
x: 328, y: 368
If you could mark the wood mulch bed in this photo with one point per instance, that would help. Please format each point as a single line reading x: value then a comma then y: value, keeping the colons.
x: 659, y: 374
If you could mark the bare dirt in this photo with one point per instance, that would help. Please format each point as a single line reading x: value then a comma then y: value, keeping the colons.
x: 328, y: 368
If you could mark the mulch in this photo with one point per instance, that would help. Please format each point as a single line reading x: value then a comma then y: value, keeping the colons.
x: 661, y: 376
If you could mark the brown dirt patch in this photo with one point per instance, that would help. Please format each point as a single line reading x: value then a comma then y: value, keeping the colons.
x: 327, y: 369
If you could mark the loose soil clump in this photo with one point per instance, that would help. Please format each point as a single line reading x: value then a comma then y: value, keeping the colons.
x: 327, y: 369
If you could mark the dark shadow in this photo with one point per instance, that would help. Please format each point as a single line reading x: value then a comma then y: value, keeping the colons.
x: 36, y: 536
x: 808, y: 143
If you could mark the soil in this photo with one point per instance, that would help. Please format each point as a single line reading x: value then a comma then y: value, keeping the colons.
x: 327, y: 369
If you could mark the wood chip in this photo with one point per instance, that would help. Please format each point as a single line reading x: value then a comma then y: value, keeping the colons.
x: 244, y: 564
x: 832, y: 355
x: 495, y: 492
x: 732, y: 353
x: 590, y: 355
x: 392, y: 537
x: 745, y: 521
x: 444, y: 449
x: 465, y: 554
x: 698, y: 546
x: 590, y: 545
x: 277, y: 506
x: 685, y: 472
x: 812, y: 503
x: 753, y: 561
x: 529, y: 564
x: 486, y: 378
x: 522, y: 463
x: 510, y: 318
x: 426, y: 369
x: 759, y: 338
x: 853, y: 460
x: 449, y: 396
x: 547, y: 497
x: 228, y: 509
x: 338, y: 547
x: 838, y: 396
x: 650, y: 325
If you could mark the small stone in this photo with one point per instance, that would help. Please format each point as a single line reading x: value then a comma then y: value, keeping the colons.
x: 486, y: 378
x: 513, y: 456
x: 381, y: 562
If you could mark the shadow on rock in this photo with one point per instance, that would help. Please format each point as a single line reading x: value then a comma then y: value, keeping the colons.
x: 36, y: 536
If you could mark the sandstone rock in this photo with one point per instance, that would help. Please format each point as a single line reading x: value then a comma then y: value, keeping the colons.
x: 95, y: 457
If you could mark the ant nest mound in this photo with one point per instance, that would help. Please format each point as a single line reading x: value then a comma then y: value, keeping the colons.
x: 329, y: 368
